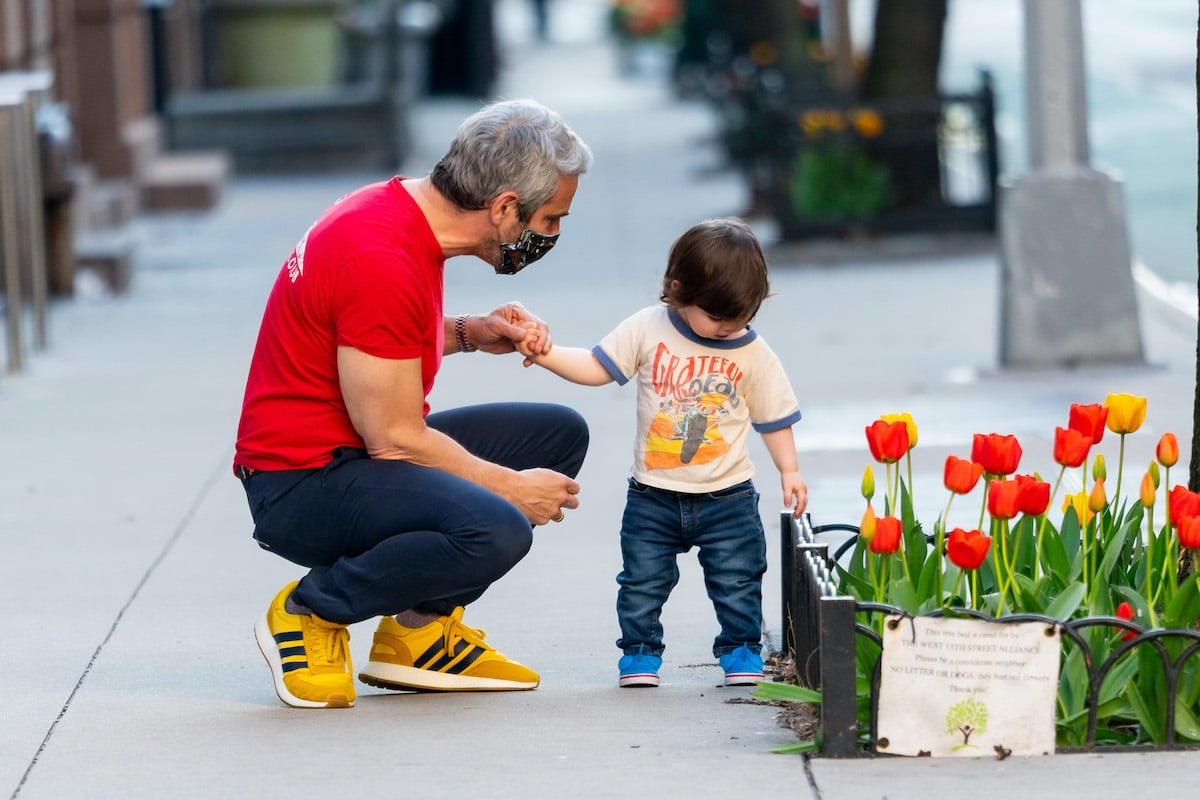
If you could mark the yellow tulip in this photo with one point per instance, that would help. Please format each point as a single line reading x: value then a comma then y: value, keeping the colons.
x: 868, y: 484
x: 1079, y: 502
x: 907, y: 419
x: 1126, y: 412
x: 1148, y: 491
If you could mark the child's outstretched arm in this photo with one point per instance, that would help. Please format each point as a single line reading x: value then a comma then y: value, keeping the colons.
x: 782, y: 447
x: 573, y: 363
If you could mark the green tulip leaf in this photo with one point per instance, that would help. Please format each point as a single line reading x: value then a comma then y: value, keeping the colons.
x: 1112, y: 552
x: 1069, y: 536
x: 1058, y: 561
x: 927, y: 582
x: 786, y: 692
x: 809, y: 746
x: 1186, y: 723
x: 1117, y: 678
x: 1026, y: 594
x: 1184, y: 608
x: 1063, y: 606
x: 904, y: 595
x: 1149, y: 718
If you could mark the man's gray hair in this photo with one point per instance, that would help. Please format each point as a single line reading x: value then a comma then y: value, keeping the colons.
x: 517, y: 145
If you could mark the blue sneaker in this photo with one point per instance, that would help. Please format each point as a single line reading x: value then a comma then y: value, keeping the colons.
x: 639, y: 669
x: 743, y: 667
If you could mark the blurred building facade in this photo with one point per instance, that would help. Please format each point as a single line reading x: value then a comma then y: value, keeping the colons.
x: 102, y: 152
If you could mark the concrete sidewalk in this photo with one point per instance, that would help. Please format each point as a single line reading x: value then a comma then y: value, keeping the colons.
x: 132, y: 583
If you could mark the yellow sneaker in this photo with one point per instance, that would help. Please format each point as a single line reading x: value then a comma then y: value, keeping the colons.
x: 309, y: 657
x: 443, y: 656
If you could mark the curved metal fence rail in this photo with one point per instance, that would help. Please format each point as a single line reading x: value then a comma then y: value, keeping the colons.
x: 822, y: 631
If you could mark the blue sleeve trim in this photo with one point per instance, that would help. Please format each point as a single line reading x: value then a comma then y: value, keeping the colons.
x: 609, y: 366
x: 768, y: 427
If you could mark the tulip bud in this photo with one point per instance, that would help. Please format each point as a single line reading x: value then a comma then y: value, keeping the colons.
x: 1097, y: 500
x: 1154, y: 474
x: 1148, y: 491
x: 1167, y: 451
x: 1099, y: 471
x: 866, y: 528
x: 868, y: 483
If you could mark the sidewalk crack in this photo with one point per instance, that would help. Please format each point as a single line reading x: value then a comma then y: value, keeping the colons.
x: 176, y: 535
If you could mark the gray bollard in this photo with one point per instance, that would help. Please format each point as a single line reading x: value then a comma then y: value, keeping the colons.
x: 10, y: 108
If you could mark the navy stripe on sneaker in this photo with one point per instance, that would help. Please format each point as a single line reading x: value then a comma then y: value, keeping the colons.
x: 288, y: 652
x: 440, y: 664
x: 289, y: 666
x: 422, y: 661
x: 436, y: 659
x: 289, y: 636
x: 469, y: 659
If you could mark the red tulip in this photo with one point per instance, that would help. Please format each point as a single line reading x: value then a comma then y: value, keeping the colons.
x: 888, y: 440
x: 1004, y: 499
x: 967, y: 549
x: 1189, y: 533
x: 1034, y: 496
x: 998, y: 454
x: 960, y: 475
x: 1089, y: 420
x: 1071, y: 446
x: 1167, y: 451
x: 887, y: 535
x: 1182, y: 504
x: 1125, y: 611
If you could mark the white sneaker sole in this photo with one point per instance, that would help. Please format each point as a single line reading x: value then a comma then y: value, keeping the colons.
x: 270, y: 652
x: 636, y: 681
x: 383, y: 675
x: 743, y: 679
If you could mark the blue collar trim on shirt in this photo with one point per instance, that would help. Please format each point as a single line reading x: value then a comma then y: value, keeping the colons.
x: 717, y: 344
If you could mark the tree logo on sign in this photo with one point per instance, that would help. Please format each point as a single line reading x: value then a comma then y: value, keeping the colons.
x: 966, y: 718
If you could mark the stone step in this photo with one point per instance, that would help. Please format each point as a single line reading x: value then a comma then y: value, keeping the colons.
x: 184, y: 180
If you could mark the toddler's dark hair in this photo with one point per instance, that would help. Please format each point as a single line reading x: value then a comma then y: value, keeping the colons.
x: 720, y: 267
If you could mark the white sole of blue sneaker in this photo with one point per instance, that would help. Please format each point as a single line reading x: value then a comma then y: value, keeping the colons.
x: 396, y: 677
x: 270, y: 652
x: 638, y: 681
x: 743, y: 679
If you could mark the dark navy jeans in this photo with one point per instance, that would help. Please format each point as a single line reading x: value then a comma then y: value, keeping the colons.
x: 725, y: 527
x: 381, y: 536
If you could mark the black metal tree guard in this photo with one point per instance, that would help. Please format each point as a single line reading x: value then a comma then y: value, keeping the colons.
x: 822, y: 630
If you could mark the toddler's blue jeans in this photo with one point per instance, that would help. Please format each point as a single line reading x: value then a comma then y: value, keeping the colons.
x: 725, y: 528
x: 383, y: 536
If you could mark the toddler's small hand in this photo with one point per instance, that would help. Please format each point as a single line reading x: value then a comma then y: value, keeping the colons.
x: 526, y: 346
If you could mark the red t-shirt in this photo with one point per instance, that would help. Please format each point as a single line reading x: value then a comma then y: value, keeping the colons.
x: 367, y: 274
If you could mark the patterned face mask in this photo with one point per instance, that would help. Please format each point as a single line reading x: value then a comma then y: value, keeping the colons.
x: 529, y: 247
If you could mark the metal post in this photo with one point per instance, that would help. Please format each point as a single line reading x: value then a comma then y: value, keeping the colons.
x: 1067, y: 294
x: 33, y: 89
x: 788, y: 571
x: 839, y: 716
x: 30, y: 186
x: 10, y: 104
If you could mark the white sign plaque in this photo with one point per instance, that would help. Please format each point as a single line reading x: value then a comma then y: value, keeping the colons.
x: 967, y: 687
